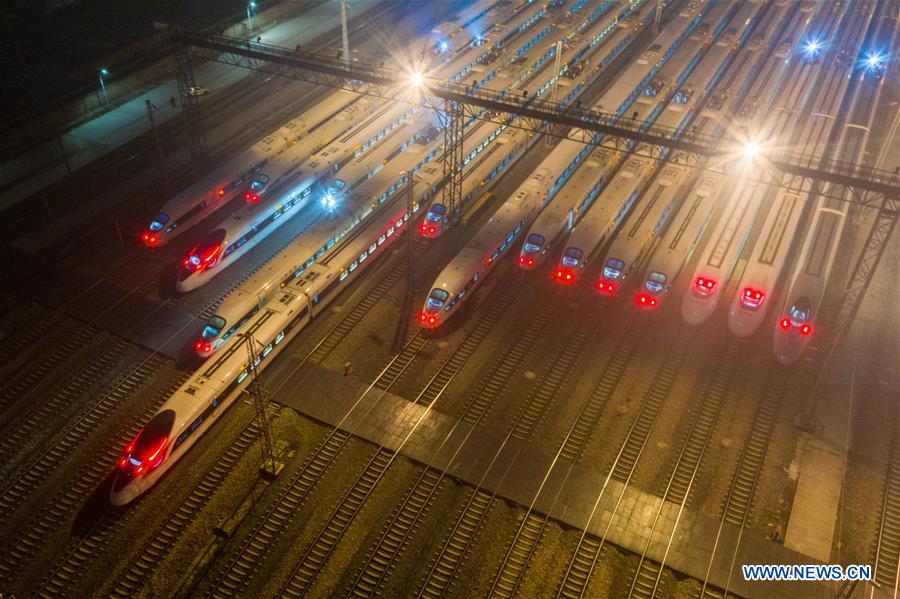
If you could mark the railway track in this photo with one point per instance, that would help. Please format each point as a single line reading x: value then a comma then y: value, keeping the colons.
x: 587, y: 551
x: 647, y: 577
x: 17, y: 435
x: 74, y: 491
x: 738, y: 502
x: 141, y: 567
x: 258, y: 543
x: 25, y: 383
x: 470, y: 519
x: 134, y: 576
x: 417, y: 500
x: 325, y: 543
x: 886, y: 563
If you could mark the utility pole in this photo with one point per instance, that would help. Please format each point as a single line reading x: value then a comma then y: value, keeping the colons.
x: 410, y: 204
x: 557, y: 67
x: 658, y: 17
x: 344, y: 37
x: 269, y: 467
x: 160, y: 157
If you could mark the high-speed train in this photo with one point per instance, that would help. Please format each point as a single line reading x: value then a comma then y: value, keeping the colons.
x: 240, y: 232
x: 489, y: 154
x: 650, y: 219
x: 678, y: 242
x: 190, y: 412
x: 749, y: 307
x: 569, y: 206
x: 251, y: 171
x: 511, y: 78
x: 578, y: 193
x: 687, y: 226
x: 802, y: 300
x: 323, y: 238
x: 473, y: 264
x: 742, y: 203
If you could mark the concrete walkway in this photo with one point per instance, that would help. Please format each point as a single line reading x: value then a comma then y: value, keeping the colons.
x: 625, y: 514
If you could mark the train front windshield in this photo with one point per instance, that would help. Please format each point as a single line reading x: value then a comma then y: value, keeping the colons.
x: 436, y: 299
x: 613, y: 268
x: 159, y: 221
x: 534, y: 243
x: 213, y: 327
x: 436, y: 212
x: 656, y: 281
x: 572, y: 257
x: 800, y: 312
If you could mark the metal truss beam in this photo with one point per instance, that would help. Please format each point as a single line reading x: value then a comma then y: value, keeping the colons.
x: 533, y: 114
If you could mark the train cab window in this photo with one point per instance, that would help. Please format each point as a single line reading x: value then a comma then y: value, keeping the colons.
x: 656, y: 281
x: 572, y: 256
x: 613, y: 268
x: 259, y: 182
x: 436, y: 212
x: 213, y: 327
x: 436, y: 299
x: 159, y: 221
x: 148, y: 448
x: 243, y: 320
x: 800, y: 312
x: 534, y: 243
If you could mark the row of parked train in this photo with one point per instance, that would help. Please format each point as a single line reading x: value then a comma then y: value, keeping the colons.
x: 618, y: 219
x: 630, y: 224
x: 348, y: 165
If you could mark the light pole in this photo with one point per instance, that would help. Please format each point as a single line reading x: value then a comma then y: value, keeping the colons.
x: 250, y: 7
x: 104, y: 72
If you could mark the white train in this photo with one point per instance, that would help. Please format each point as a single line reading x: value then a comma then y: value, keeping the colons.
x: 195, y: 406
x: 805, y: 291
x: 592, y: 232
x: 641, y: 228
x: 473, y: 264
x: 679, y: 240
x: 240, y: 232
x: 252, y: 171
x: 571, y: 201
x: 567, y: 208
x: 721, y: 253
x: 749, y: 307
x: 324, y: 237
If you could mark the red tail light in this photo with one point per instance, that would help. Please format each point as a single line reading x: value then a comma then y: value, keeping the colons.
x: 564, y: 276
x: 645, y: 300
x: 805, y: 330
x: 220, y: 192
x: 785, y: 323
x: 606, y: 286
x: 704, y: 285
x: 250, y: 197
x: 526, y: 260
x: 150, y: 239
